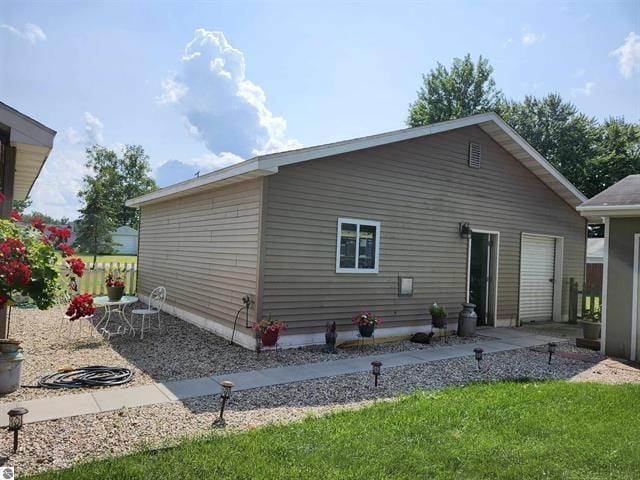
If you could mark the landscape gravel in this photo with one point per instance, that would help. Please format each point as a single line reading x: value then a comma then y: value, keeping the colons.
x: 180, y: 351
x: 56, y: 444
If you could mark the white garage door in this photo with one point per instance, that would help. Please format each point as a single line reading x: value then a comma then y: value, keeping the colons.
x: 536, y: 278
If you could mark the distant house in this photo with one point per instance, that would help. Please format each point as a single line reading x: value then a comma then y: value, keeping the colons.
x: 126, y: 240
x: 454, y: 211
x: 619, y: 208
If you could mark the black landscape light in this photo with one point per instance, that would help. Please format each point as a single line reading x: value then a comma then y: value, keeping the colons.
x: 552, y: 349
x: 15, y: 423
x: 478, y: 353
x: 224, y: 396
x: 376, y: 371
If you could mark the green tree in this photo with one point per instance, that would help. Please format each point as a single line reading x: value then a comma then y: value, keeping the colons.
x: 47, y: 219
x: 464, y: 90
x: 97, y: 218
x: 21, y: 205
x: 556, y: 129
x: 122, y: 176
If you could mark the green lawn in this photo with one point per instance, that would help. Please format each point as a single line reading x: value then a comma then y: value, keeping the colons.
x: 495, y: 431
x: 109, y: 258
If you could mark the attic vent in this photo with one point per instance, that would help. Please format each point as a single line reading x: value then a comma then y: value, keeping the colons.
x: 475, y: 153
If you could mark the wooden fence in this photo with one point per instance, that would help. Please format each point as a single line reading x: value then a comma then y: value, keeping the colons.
x: 583, y: 298
x: 93, y: 279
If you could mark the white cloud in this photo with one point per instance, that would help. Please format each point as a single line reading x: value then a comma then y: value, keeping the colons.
x: 507, y: 42
x: 531, y: 38
x: 31, y: 32
x: 93, y: 132
x: 587, y: 89
x: 220, y: 105
x: 628, y: 55
x: 580, y: 73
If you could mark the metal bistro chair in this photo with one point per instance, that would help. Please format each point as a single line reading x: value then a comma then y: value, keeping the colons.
x: 156, y: 302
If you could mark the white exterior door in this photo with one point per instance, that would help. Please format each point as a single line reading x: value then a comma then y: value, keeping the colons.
x: 537, y: 267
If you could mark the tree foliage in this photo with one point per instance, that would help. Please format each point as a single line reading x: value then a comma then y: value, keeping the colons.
x: 468, y: 88
x: 592, y: 155
x: 97, y: 218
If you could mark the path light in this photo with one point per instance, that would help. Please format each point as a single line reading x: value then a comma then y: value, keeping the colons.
x: 376, y: 370
x: 478, y: 352
x: 15, y: 423
x: 552, y: 349
x: 224, y: 395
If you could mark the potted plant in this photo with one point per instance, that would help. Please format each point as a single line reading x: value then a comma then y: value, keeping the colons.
x: 591, y: 324
x: 367, y: 323
x: 29, y: 269
x: 438, y: 315
x: 269, y: 330
x: 115, y: 284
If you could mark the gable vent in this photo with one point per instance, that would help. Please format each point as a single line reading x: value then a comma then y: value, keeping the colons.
x: 475, y: 153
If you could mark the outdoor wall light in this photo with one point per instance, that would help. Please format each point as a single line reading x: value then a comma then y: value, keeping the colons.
x: 375, y: 369
x: 552, y: 349
x: 465, y: 230
x: 478, y: 353
x: 224, y: 396
x: 15, y: 423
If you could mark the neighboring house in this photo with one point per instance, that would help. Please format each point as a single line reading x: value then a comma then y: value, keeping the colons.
x: 318, y: 234
x: 595, y: 250
x: 126, y: 240
x: 619, y: 207
x: 595, y: 257
x: 25, y: 145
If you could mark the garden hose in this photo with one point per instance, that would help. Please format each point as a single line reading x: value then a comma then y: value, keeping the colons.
x: 91, y: 376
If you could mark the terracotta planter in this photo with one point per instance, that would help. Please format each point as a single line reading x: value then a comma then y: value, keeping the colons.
x: 590, y: 330
x: 438, y: 322
x: 115, y: 293
x: 366, y: 330
x: 269, y: 338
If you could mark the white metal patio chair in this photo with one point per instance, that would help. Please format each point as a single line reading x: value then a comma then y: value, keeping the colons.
x: 156, y: 302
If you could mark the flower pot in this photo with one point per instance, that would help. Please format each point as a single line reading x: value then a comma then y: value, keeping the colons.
x: 467, y: 320
x: 366, y: 330
x: 438, y: 322
x: 11, y: 359
x: 115, y: 293
x: 590, y: 330
x: 269, y: 338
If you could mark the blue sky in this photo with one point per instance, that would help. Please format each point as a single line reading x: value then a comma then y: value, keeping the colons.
x: 284, y: 74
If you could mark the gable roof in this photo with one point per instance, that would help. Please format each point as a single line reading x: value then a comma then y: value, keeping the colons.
x: 619, y: 200
x: 265, y: 165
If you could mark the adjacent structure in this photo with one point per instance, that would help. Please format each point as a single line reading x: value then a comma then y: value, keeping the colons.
x: 126, y: 240
x: 619, y: 208
x: 454, y: 211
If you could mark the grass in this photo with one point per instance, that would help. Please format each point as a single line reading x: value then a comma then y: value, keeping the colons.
x: 494, y: 431
x: 109, y: 258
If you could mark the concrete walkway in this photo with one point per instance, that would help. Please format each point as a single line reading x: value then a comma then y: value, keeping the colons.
x: 106, y: 400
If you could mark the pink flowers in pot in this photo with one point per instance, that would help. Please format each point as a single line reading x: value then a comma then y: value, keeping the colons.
x: 269, y: 325
x: 366, y: 319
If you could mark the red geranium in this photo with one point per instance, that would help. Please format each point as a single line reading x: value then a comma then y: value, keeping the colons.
x: 112, y: 280
x: 15, y: 216
x: 66, y: 250
x: 37, y: 224
x: 15, y: 273
x: 76, y: 265
x: 81, y: 306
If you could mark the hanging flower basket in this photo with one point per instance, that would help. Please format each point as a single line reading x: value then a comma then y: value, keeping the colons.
x: 367, y: 323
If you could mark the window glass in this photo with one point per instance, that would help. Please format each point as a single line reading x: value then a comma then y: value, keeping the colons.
x: 367, y: 250
x: 348, y: 235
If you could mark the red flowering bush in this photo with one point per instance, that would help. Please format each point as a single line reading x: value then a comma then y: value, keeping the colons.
x: 81, y: 306
x: 66, y: 250
x: 366, y: 319
x: 15, y: 216
x: 114, y: 279
x: 38, y: 225
x: 76, y: 265
x: 269, y: 325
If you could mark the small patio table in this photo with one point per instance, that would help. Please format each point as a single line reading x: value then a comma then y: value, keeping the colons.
x: 111, y: 307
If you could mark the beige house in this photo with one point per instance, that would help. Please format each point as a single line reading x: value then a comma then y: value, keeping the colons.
x: 619, y: 208
x: 454, y: 211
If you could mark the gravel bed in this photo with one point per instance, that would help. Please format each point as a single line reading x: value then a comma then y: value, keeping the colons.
x: 60, y: 443
x: 179, y: 352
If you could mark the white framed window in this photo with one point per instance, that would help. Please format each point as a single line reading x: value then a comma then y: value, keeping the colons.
x: 358, y: 246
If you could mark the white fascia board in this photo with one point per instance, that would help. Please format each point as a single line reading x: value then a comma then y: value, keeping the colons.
x: 609, y: 211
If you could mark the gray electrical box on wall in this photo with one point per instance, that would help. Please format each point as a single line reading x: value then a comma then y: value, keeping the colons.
x: 405, y: 286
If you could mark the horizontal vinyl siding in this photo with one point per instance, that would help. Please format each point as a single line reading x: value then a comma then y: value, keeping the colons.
x: 419, y: 190
x: 203, y: 249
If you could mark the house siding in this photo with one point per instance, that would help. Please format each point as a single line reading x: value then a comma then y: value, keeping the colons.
x: 204, y: 249
x: 620, y: 285
x: 419, y: 190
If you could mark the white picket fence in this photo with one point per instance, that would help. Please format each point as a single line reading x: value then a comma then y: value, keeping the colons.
x: 93, y: 279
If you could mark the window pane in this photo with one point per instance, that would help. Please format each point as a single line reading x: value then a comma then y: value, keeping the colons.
x: 348, y: 245
x: 367, y: 253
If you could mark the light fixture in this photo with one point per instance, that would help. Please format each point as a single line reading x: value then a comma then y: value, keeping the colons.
x: 478, y: 353
x: 465, y: 230
x: 375, y: 369
x: 224, y: 396
x: 552, y: 349
x: 15, y: 423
